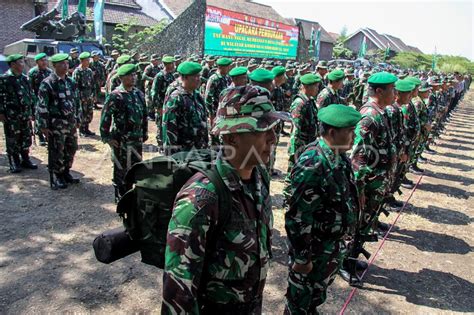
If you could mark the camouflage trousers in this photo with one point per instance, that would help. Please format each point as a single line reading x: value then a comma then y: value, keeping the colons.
x: 17, y: 136
x: 159, y: 124
x: 150, y: 105
x: 62, y: 147
x: 271, y: 162
x: 370, y: 213
x: 306, y: 291
x: 123, y: 157
x: 87, y: 106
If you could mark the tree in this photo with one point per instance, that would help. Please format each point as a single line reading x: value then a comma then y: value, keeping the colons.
x: 339, y: 51
x: 423, y: 62
x: 126, y: 35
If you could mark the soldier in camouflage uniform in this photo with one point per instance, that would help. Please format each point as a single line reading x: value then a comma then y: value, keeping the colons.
x: 221, y: 267
x: 278, y: 99
x: 422, y: 111
x: 239, y: 77
x: 322, y: 70
x: 217, y: 83
x: 360, y: 87
x: 113, y: 79
x: 158, y: 91
x: 323, y: 210
x: 17, y: 100
x: 110, y: 65
x: 36, y: 75
x: 73, y: 60
x: 98, y: 69
x: 208, y: 69
x: 58, y: 116
x: 396, y: 122
x: 83, y: 76
x: 148, y: 76
x: 304, y: 69
x: 140, y: 70
x: 347, y: 85
x: 305, y: 122
x: 126, y: 108
x: 330, y: 94
x: 373, y: 154
x: 184, y: 125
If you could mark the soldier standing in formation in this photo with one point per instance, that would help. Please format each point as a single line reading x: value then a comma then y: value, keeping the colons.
x: 125, y: 108
x: 17, y: 100
x: 148, y: 75
x: 73, y: 60
x: 58, y: 116
x: 161, y: 82
x: 222, y: 269
x: 36, y: 75
x: 184, y: 125
x: 100, y: 76
x: 330, y: 94
x: 84, y: 79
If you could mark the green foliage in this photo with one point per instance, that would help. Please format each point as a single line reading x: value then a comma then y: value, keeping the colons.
x: 423, y: 62
x: 339, y: 51
x: 128, y: 36
x: 375, y: 55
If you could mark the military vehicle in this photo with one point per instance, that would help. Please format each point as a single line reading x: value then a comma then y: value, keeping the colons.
x: 53, y: 36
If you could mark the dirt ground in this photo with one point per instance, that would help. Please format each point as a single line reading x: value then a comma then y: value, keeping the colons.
x: 47, y: 263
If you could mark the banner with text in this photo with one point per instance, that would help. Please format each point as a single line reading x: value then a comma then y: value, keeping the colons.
x: 236, y: 34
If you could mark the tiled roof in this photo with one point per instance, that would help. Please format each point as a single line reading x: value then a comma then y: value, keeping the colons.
x: 117, y: 11
x: 382, y: 41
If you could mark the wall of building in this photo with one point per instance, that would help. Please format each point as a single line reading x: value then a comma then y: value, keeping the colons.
x: 354, y: 43
x: 13, y: 14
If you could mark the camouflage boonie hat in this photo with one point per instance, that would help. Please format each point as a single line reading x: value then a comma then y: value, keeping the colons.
x: 246, y: 109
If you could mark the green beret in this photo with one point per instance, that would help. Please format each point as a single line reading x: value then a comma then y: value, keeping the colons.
x: 40, y: 56
x: 59, y: 58
x: 189, y: 68
x: 168, y: 59
x: 404, y: 86
x: 85, y: 55
x: 278, y: 70
x: 123, y: 59
x: 336, y: 75
x: 126, y: 69
x: 382, y: 78
x: 14, y: 57
x: 413, y: 80
x: 223, y: 62
x: 261, y: 75
x: 310, y: 78
x: 339, y: 116
x: 238, y: 71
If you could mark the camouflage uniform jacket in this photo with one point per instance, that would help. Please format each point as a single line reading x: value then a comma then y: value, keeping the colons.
x: 126, y: 110
x: 84, y: 79
x: 184, y: 122
x: 374, y: 152
x: 98, y: 69
x: 347, y: 88
x: 411, y: 122
x: 58, y: 104
x: 36, y: 76
x: 235, y: 270
x: 278, y: 98
x: 207, y: 72
x: 160, y: 85
x: 149, y: 74
x: 396, y: 123
x: 323, y: 205
x: 73, y: 63
x: 327, y: 97
x: 215, y: 85
x: 432, y: 107
x: 305, y: 123
x: 17, y: 98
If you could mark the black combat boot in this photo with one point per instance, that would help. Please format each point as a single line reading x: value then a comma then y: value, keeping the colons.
x: 429, y: 150
x: 87, y: 131
x: 348, y: 272
x: 60, y: 182
x: 422, y: 159
x: 26, y: 162
x: 414, y: 169
x: 14, y: 162
x: 406, y: 183
x: 69, y: 178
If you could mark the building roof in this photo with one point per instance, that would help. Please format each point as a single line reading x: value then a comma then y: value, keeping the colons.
x: 117, y: 11
x: 308, y: 25
x: 415, y: 49
x: 382, y: 41
x: 335, y: 36
x: 243, y: 6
